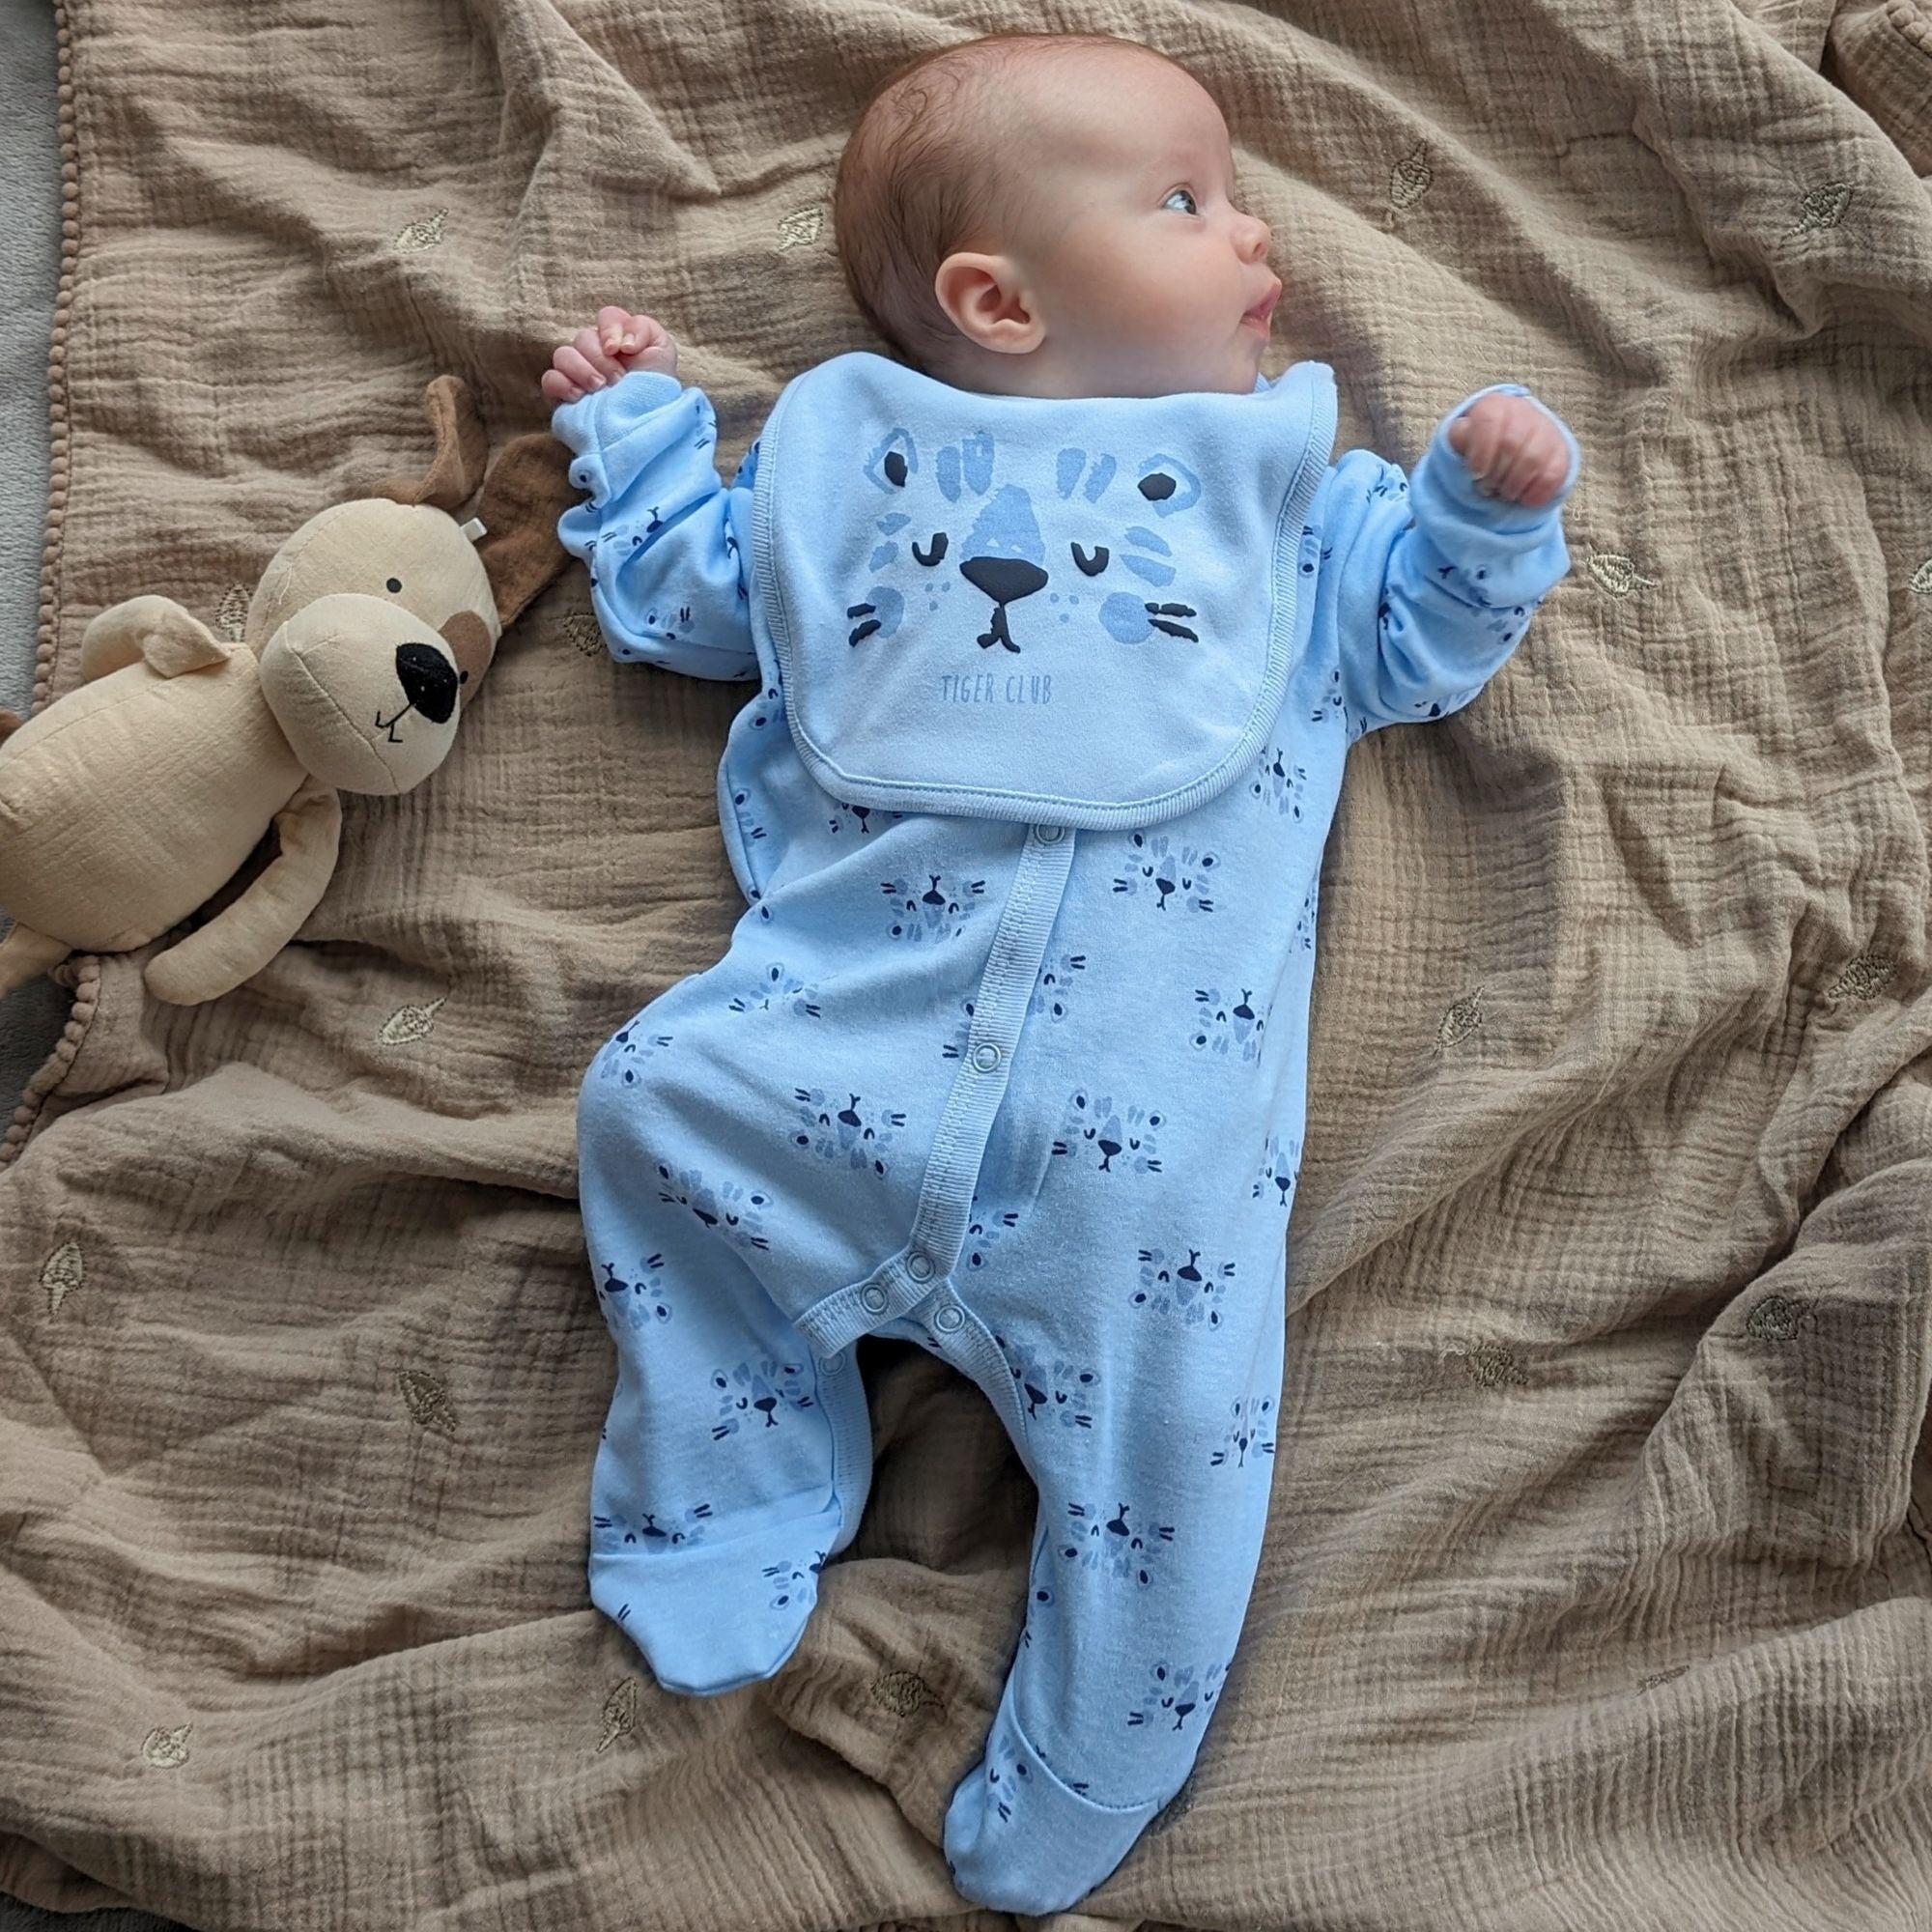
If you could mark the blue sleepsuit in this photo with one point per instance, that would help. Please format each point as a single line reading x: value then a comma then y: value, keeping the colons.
x: 1006, y: 1055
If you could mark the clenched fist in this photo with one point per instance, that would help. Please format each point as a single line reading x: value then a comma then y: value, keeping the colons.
x: 617, y: 343
x: 1512, y: 448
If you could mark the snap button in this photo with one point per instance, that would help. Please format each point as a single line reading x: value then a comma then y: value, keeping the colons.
x: 1049, y: 835
x: 874, y: 1298
x: 986, y: 1057
x: 948, y: 1317
x: 830, y: 1364
x: 920, y: 1267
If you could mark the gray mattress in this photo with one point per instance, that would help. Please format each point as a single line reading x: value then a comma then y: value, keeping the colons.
x: 31, y: 1019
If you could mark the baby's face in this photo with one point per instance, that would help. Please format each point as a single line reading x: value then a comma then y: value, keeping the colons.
x: 1138, y: 273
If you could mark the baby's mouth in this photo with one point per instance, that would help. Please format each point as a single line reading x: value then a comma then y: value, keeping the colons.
x: 1259, y: 316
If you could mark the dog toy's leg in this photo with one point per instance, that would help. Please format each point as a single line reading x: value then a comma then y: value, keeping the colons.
x: 171, y: 638
x: 26, y: 953
x: 243, y: 937
x: 10, y: 723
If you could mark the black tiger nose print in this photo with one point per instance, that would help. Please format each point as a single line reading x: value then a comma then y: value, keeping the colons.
x: 1006, y: 579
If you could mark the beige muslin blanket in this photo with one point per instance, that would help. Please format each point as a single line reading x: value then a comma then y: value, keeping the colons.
x: 1598, y: 1588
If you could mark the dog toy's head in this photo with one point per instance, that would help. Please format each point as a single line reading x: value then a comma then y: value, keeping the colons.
x: 377, y: 620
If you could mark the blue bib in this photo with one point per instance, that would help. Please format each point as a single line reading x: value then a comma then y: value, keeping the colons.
x: 1077, y: 611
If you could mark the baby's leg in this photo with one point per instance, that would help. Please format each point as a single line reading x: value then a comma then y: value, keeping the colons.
x: 1150, y: 1438
x: 732, y: 1464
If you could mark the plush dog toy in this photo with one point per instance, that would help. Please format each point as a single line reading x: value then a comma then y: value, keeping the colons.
x: 127, y: 802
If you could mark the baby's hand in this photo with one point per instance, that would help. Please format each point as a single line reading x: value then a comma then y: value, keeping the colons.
x: 618, y: 343
x: 1513, y: 449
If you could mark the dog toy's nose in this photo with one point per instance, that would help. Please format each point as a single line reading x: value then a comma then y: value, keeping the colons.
x: 428, y: 679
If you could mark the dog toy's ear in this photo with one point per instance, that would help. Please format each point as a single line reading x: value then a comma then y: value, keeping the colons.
x: 461, y: 449
x: 526, y: 490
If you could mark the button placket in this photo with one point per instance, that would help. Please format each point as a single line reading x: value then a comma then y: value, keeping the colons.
x: 958, y: 1146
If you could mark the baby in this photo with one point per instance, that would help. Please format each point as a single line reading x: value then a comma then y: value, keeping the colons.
x: 1061, y: 628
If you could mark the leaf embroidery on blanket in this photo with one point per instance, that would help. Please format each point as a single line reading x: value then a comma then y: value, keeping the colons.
x: 64, y: 1273
x: 1489, y: 1363
x: 620, y: 1713
x: 1461, y: 1021
x: 1823, y: 207
x: 232, y: 615
x: 408, y: 1024
x: 424, y: 231
x: 579, y: 627
x: 428, y: 1398
x: 904, y: 1693
x: 165, y: 1748
x: 1921, y: 578
x: 1409, y: 179
x: 1657, y: 1677
x: 1618, y: 575
x: 1865, y: 977
x: 1778, y: 1317
x: 800, y: 226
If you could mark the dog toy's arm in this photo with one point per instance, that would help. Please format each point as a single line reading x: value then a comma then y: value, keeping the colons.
x: 239, y: 940
x: 173, y: 641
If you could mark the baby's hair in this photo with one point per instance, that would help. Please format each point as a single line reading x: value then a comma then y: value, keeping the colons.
x: 921, y: 177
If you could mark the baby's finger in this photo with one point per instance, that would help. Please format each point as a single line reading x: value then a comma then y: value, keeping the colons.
x: 1535, y: 483
x: 1548, y: 481
x: 615, y: 330
x: 1484, y: 440
x: 578, y: 367
x: 1517, y: 464
x: 559, y: 387
x: 1545, y: 448
x: 591, y: 349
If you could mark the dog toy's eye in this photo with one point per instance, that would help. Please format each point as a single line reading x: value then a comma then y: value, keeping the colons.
x: 395, y: 583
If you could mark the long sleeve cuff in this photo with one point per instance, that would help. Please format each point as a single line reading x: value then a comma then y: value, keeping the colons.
x: 596, y: 425
x: 1514, y: 552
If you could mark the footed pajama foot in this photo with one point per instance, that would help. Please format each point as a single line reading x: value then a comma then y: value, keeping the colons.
x: 712, y: 1617
x: 1018, y: 1838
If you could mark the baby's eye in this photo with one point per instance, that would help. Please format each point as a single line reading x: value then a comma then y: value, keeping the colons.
x: 1188, y: 192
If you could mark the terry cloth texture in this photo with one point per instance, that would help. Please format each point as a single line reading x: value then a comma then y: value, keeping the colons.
x: 1596, y: 1582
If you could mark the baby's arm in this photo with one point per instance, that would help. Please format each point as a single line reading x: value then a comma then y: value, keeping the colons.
x: 1431, y: 581
x: 662, y: 539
